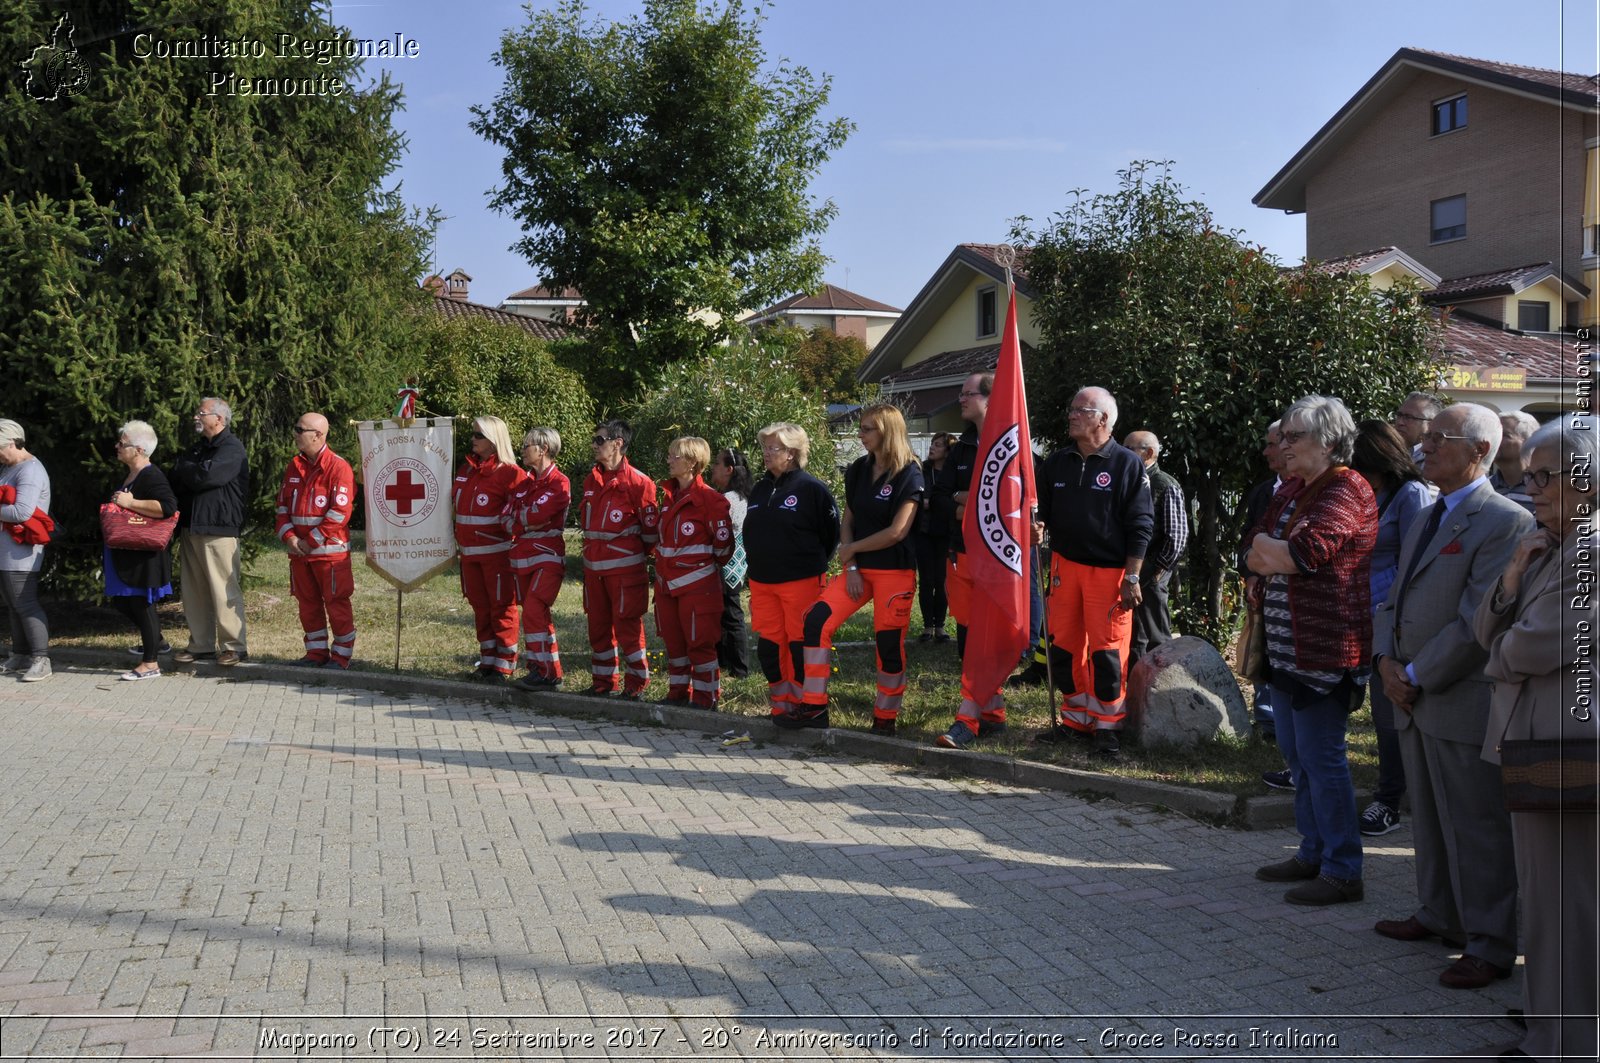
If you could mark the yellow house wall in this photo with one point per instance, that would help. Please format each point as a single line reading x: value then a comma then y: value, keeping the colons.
x: 957, y: 328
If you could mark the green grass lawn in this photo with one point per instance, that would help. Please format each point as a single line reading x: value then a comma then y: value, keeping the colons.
x: 436, y: 638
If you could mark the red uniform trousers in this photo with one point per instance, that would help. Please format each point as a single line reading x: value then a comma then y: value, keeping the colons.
x: 891, y: 591
x: 1088, y: 625
x: 690, y: 625
x: 977, y: 706
x: 615, y: 602
x: 488, y: 585
x: 778, y: 617
x: 321, y: 587
x: 537, y: 588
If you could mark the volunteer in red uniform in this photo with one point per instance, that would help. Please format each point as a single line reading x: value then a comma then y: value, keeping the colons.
x: 619, y: 528
x: 314, y: 504
x: 535, y: 517
x: 484, y: 485
x: 882, y: 493
x: 696, y: 538
x: 791, y: 527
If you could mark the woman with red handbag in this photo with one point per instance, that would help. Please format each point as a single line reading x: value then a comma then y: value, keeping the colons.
x: 137, y: 579
x: 24, y: 499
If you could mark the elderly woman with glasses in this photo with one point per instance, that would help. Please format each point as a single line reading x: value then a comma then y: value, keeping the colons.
x: 24, y: 499
x: 535, y: 516
x: 484, y: 486
x: 696, y: 540
x: 1538, y: 624
x: 137, y: 579
x: 791, y: 530
x: 1310, y: 559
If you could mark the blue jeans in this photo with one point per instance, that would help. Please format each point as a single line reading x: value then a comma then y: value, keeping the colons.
x: 1311, y: 734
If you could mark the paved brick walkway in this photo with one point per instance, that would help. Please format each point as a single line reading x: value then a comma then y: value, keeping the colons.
x: 204, y: 867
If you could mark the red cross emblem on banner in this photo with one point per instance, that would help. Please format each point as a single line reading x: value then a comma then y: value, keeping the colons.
x: 403, y: 492
x: 407, y: 492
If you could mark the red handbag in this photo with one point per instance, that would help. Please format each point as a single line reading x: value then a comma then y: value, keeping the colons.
x: 124, y: 529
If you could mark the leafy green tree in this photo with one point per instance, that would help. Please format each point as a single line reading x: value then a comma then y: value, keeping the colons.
x: 725, y: 397
x: 1204, y: 340
x: 165, y: 236
x: 477, y: 368
x: 657, y: 166
x: 826, y: 363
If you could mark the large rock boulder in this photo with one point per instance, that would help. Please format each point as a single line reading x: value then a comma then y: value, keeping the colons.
x: 1182, y: 692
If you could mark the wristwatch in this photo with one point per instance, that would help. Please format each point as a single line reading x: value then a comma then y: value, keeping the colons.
x: 1130, y: 577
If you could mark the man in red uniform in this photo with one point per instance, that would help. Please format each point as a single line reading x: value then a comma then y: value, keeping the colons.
x: 619, y: 528
x: 314, y: 506
x: 696, y: 538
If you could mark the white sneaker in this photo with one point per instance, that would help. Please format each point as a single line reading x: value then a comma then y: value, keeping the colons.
x: 39, y: 669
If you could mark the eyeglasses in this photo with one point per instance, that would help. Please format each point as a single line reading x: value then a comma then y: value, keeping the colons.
x: 122, y: 443
x: 674, y: 457
x: 477, y: 436
x: 1287, y: 438
x: 601, y: 441
x: 772, y: 448
x: 1438, y: 439
x: 1401, y: 415
x: 1081, y: 411
x: 1541, y: 478
x: 301, y: 430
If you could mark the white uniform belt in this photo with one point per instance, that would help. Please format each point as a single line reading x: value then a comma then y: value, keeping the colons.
x: 475, y: 551
x: 614, y: 562
x: 477, y: 520
x: 683, y: 551
x: 698, y: 574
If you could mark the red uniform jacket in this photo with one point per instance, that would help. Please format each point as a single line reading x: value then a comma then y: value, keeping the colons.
x: 315, y: 501
x: 483, y: 487
x: 696, y: 537
x: 535, y: 515
x: 618, y: 518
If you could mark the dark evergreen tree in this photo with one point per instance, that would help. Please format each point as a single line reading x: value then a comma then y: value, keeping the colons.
x: 213, y: 222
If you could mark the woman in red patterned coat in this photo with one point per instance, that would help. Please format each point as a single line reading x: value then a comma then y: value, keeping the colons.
x: 1311, y: 555
x: 696, y: 538
x: 484, y: 484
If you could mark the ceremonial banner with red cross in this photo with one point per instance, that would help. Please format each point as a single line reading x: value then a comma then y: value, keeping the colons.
x: 405, y: 477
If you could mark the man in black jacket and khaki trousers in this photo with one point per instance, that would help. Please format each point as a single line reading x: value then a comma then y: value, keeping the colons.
x: 212, y: 482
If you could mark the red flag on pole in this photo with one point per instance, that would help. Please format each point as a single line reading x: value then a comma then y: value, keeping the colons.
x: 997, y: 527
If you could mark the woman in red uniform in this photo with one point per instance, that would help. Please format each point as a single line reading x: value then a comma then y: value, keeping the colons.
x: 484, y: 484
x: 535, y: 517
x: 696, y: 538
x: 882, y: 492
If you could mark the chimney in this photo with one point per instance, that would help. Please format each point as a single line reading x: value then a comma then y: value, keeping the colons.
x: 455, y: 285
x: 433, y: 285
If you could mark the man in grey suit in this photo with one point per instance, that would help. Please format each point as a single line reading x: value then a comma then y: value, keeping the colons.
x: 1432, y: 669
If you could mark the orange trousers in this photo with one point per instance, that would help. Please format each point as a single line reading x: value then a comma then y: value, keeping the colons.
x: 487, y: 583
x: 891, y: 591
x: 778, y: 616
x: 1090, y: 633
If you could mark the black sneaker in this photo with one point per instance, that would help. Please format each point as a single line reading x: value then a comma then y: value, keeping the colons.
x: 138, y: 651
x: 535, y: 681
x: 1378, y: 819
x: 883, y: 727
x: 1106, y: 745
x: 1278, y: 780
x: 991, y: 728
x: 1031, y: 676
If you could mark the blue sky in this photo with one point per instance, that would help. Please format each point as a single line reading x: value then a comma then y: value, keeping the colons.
x: 969, y: 114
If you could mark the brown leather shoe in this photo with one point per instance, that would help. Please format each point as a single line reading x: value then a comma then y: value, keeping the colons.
x: 228, y: 658
x: 1293, y: 869
x: 1470, y: 972
x: 1412, y: 930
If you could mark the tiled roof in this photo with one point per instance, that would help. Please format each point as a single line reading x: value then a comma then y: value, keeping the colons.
x: 950, y: 363
x: 1499, y: 282
x: 991, y: 252
x: 459, y: 309
x: 1286, y: 189
x: 830, y: 297
x: 1578, y: 88
x: 539, y: 291
x: 1355, y: 263
x: 1471, y: 343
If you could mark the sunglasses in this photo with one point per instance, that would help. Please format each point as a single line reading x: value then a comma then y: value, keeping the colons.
x: 601, y: 441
